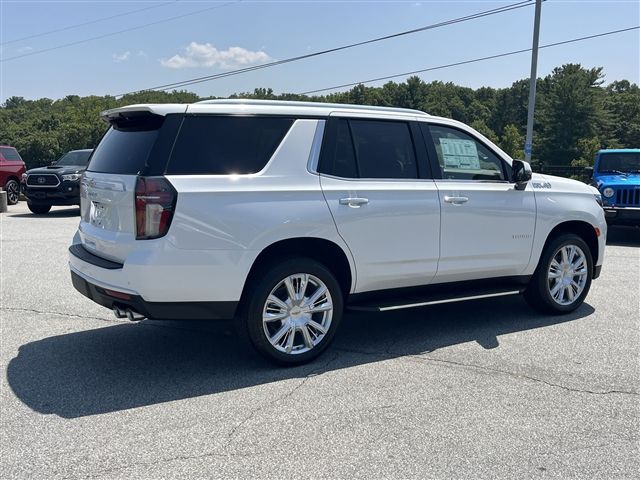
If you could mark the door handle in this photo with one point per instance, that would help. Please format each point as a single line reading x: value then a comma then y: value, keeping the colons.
x: 456, y: 200
x: 354, y: 202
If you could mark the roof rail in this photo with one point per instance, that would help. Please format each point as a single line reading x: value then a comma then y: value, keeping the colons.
x: 287, y: 103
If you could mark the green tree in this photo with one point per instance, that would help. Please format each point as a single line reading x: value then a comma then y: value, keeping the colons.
x: 512, y: 141
x: 572, y: 109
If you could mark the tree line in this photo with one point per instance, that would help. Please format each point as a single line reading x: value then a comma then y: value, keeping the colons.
x: 576, y: 114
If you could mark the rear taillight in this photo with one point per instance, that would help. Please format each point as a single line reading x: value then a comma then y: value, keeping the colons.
x: 155, y: 204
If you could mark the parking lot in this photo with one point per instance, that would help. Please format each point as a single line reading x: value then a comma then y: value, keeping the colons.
x: 484, y: 389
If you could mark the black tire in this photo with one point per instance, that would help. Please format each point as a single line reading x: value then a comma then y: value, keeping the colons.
x: 13, y: 192
x: 39, y: 209
x: 255, y: 302
x: 538, y: 293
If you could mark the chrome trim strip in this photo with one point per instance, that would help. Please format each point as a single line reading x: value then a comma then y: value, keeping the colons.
x: 449, y: 300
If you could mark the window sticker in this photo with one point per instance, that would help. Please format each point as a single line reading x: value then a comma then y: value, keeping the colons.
x: 459, y: 153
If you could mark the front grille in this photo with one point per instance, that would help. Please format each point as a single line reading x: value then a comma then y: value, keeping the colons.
x: 628, y: 197
x: 43, y: 180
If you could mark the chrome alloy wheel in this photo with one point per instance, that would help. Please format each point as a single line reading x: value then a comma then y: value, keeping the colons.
x: 297, y: 313
x: 567, y: 275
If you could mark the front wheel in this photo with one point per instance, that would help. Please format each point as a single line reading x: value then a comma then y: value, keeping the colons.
x: 563, y: 276
x: 293, y: 311
x: 39, y: 209
x: 13, y: 192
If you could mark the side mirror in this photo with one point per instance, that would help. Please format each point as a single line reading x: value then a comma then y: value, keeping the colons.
x: 520, y: 174
x: 588, y: 171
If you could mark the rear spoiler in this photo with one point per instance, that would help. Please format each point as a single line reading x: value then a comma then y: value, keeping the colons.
x: 124, y: 115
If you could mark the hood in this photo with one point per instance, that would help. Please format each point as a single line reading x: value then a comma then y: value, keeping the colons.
x: 64, y: 170
x: 544, y: 182
x: 620, y: 180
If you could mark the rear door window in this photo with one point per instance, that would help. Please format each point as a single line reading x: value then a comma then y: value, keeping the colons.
x: 223, y: 145
x: 368, y: 149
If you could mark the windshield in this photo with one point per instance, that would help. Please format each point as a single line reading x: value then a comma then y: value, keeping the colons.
x: 78, y: 157
x: 620, y: 162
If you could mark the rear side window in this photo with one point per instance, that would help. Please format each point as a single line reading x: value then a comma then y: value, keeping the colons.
x: 223, y: 145
x: 10, y: 154
x: 369, y: 149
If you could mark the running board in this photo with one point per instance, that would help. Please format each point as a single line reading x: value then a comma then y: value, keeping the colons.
x: 435, y: 298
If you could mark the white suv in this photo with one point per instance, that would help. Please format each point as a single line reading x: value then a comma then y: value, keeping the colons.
x: 283, y: 214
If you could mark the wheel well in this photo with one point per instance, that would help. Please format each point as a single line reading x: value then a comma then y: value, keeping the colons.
x: 12, y: 177
x: 584, y: 230
x: 323, y: 251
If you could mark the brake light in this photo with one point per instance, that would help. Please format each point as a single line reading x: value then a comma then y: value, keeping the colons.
x: 155, y: 204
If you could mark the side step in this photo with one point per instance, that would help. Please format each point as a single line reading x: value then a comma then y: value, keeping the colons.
x: 435, y: 296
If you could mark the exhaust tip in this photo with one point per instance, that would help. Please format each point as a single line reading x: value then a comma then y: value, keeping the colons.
x: 134, y: 316
x: 118, y: 312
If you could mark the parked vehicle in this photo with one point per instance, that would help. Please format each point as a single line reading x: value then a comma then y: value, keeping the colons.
x: 11, y: 169
x: 616, y: 174
x: 283, y: 214
x: 56, y: 184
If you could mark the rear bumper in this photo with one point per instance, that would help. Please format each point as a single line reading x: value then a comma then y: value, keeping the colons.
x: 163, y: 282
x: 622, y: 215
x: 155, y: 310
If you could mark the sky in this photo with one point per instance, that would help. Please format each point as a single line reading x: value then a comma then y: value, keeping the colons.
x: 146, y: 44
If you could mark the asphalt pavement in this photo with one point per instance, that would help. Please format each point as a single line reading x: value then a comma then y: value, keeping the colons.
x: 483, y: 389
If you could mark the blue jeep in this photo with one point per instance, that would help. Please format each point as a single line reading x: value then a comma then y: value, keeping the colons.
x: 616, y: 174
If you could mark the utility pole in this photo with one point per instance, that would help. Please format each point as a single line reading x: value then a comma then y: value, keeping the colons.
x: 532, y: 82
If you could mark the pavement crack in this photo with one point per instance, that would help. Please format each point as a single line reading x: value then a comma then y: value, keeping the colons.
x: 278, y: 400
x: 161, y: 460
x: 60, y: 314
x: 527, y: 377
x: 390, y: 354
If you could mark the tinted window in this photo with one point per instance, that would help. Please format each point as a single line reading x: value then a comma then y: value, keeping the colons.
x: 368, y: 149
x: 383, y: 149
x: 10, y: 154
x: 621, y: 162
x: 78, y: 157
x: 462, y: 157
x: 123, y: 151
x: 222, y: 145
x: 338, y: 157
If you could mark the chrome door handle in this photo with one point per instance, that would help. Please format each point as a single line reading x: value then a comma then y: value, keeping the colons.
x: 456, y: 200
x: 354, y: 201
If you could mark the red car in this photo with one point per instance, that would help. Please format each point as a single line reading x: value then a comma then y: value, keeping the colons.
x: 11, y: 169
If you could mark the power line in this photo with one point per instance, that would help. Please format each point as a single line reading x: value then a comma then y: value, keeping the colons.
x: 78, y: 42
x: 90, y: 22
x: 207, y: 78
x: 490, y: 57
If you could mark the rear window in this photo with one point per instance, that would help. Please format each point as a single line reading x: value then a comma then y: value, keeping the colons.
x: 123, y: 152
x: 10, y: 154
x: 223, y: 145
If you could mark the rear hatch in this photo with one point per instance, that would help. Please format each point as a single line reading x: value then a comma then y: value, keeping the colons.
x: 137, y: 144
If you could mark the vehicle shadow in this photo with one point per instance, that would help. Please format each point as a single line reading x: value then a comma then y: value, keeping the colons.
x: 130, y: 365
x: 623, y: 236
x: 67, y: 212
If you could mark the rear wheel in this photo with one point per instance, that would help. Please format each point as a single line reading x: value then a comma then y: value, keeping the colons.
x: 39, y: 209
x: 13, y: 192
x: 293, y: 311
x: 563, y: 276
